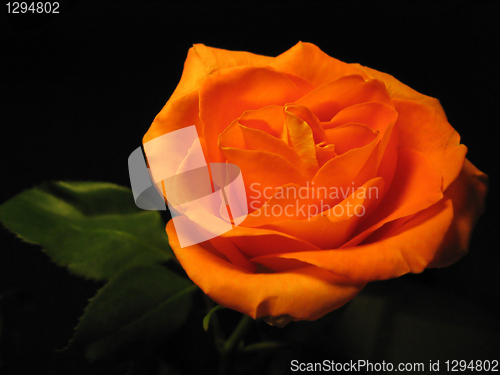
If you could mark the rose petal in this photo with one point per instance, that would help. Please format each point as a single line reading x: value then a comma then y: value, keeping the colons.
x: 422, y: 128
x: 305, y: 294
x: 398, y: 90
x: 268, y: 119
x: 333, y: 226
x: 324, y: 153
x: 301, y: 83
x: 305, y: 114
x: 178, y: 113
x: 409, y: 249
x: 287, y: 202
x: 263, y: 170
x: 450, y: 163
x: 226, y: 94
x: 341, y: 171
x: 242, y: 137
x: 467, y: 194
x: 202, y: 60
x: 299, y: 136
x: 255, y: 242
x: 376, y: 115
x: 307, y: 61
x: 426, y: 130
x: 382, y: 161
x: 326, y: 101
x: 232, y: 253
x: 416, y: 186
x: 349, y: 136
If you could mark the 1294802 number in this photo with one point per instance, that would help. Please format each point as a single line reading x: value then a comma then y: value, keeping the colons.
x: 34, y: 7
x: 475, y: 366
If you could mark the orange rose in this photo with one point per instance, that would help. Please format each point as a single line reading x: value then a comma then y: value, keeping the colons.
x: 306, y: 123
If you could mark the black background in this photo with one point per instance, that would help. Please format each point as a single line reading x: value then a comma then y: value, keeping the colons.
x: 78, y: 91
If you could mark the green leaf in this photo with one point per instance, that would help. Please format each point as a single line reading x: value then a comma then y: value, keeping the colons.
x: 93, y: 228
x: 137, y: 308
x: 206, y: 319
